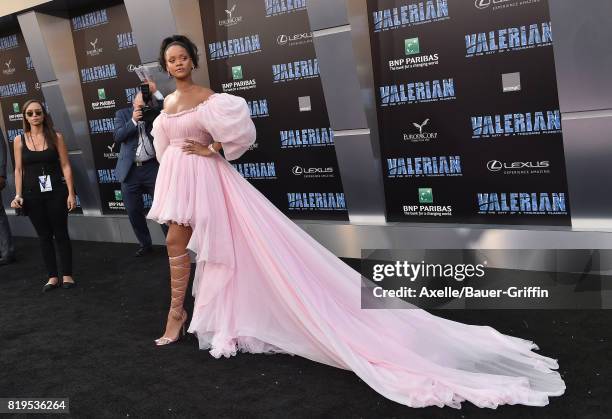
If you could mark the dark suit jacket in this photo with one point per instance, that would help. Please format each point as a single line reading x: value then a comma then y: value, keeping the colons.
x: 3, y: 157
x: 126, y: 134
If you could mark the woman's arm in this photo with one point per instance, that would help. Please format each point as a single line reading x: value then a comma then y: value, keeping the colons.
x: 3, y: 158
x: 65, y: 163
x: 227, y: 119
x: 17, y: 145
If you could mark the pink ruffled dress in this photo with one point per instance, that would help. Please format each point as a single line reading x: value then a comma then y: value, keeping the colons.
x: 262, y: 285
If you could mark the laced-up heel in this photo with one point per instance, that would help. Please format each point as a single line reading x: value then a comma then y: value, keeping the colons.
x: 180, y: 268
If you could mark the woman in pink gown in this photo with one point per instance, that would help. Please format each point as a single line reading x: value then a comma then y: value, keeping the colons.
x: 262, y: 285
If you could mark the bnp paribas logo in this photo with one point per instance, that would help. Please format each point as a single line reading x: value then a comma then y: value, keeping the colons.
x: 414, y: 56
x: 411, y: 46
x: 237, y: 72
x: 16, y: 107
x: 425, y: 196
x: 103, y: 102
x: 426, y: 206
x: 118, y: 195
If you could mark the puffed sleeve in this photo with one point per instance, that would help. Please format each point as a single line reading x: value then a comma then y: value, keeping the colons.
x: 228, y: 120
x: 160, y: 139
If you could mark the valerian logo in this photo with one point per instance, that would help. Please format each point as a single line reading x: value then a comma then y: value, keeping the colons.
x: 8, y: 42
x: 260, y: 170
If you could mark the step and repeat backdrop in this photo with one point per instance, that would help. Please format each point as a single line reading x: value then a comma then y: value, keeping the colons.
x: 466, y: 97
x: 18, y: 84
x: 468, y: 111
x: 262, y: 50
x: 106, y: 56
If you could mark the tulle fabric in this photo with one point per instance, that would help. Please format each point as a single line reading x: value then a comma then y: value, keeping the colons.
x: 262, y: 285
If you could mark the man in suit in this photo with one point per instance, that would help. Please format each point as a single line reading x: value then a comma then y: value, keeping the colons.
x: 7, y: 248
x: 137, y: 165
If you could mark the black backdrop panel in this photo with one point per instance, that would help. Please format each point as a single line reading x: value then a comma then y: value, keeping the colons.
x: 18, y: 84
x: 458, y: 144
x: 106, y: 56
x: 262, y: 50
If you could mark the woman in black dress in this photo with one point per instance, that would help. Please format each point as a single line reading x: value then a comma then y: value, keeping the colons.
x: 44, y: 189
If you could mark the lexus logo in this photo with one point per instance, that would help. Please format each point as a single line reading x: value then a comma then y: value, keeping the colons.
x: 495, y: 165
x: 284, y: 39
x: 483, y: 4
x: 311, y: 171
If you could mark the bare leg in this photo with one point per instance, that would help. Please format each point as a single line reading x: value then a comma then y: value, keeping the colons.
x: 180, y: 268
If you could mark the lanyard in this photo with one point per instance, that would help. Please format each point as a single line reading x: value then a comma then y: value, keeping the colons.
x: 44, y: 172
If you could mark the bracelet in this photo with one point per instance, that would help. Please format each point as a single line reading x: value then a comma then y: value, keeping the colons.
x: 211, y: 148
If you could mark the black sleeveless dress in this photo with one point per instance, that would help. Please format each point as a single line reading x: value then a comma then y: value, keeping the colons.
x: 41, y: 163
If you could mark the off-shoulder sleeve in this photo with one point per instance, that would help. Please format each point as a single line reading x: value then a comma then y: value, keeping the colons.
x: 160, y: 139
x: 228, y: 119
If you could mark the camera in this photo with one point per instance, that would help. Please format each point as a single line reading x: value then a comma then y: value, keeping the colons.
x: 149, y: 111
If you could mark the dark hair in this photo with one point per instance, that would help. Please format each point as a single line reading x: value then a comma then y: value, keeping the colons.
x: 48, y: 131
x: 182, y: 41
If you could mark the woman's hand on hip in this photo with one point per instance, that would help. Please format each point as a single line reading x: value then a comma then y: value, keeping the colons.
x: 196, y: 148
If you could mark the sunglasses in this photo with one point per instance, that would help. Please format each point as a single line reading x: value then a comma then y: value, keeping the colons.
x: 38, y: 112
